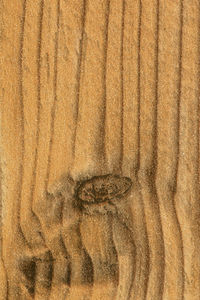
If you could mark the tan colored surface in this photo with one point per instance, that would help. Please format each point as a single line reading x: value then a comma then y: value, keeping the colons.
x: 92, y: 87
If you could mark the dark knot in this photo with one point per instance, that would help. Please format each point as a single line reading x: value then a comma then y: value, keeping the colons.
x: 103, y: 188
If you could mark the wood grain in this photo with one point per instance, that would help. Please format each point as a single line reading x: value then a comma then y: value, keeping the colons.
x: 91, y: 88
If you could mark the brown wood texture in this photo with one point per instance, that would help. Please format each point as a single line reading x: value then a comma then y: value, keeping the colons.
x: 90, y: 88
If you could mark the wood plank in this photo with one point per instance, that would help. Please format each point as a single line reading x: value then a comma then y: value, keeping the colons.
x: 99, y: 150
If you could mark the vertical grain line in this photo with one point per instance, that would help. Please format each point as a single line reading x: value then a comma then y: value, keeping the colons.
x: 104, y: 81
x: 7, y: 281
x: 155, y: 150
x: 23, y: 21
x: 78, y: 74
x: 1, y: 237
x: 198, y: 107
x: 156, y: 83
x: 198, y: 115
x: 21, y: 91
x: 122, y: 86
x: 139, y: 78
x: 138, y: 128
x: 178, y: 133
x: 38, y: 98
x: 38, y: 116
x: 55, y: 82
x: 179, y: 85
x: 6, y: 276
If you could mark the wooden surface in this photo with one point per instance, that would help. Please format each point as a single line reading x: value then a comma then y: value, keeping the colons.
x: 88, y: 88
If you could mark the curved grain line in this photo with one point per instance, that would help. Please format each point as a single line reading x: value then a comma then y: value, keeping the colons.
x: 178, y: 134
x: 78, y: 74
x: 53, y: 110
x: 89, y: 276
x: 121, y: 221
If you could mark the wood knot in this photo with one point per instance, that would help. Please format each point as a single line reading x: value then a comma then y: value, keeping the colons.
x: 103, y: 188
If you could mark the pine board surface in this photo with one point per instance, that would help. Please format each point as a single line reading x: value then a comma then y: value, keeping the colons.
x: 90, y: 88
